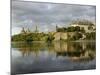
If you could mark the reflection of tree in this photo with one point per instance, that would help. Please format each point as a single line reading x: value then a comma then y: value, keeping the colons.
x: 50, y: 46
x: 72, y: 50
x: 28, y: 47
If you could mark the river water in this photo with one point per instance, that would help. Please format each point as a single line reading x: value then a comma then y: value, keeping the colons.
x: 37, y: 57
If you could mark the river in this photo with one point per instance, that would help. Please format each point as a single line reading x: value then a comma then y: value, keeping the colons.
x: 37, y: 57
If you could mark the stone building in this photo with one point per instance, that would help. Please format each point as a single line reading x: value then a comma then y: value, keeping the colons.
x: 86, y: 25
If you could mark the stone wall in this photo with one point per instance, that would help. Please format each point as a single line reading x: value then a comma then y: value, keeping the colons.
x: 63, y: 35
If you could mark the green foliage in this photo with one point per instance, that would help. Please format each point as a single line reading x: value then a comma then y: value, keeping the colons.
x: 18, y: 37
x: 91, y: 36
x: 69, y: 29
x: 76, y: 36
x: 28, y: 37
x: 50, y: 38
x: 61, y: 29
x: 33, y: 37
x: 82, y: 30
x: 90, y: 28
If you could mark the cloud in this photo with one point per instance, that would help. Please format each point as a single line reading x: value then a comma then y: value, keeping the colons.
x: 48, y: 15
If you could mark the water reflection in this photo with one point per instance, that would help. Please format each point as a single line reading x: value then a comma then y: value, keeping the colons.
x: 36, y: 57
x: 74, y: 50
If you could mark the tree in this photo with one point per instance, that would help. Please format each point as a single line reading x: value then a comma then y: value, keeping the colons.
x: 82, y: 30
x: 91, y: 36
x: 90, y: 28
x: 76, y: 36
x: 77, y: 28
x: 29, y: 38
x: 50, y: 38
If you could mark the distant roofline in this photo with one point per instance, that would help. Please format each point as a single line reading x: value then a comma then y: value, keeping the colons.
x: 80, y: 25
x: 82, y: 22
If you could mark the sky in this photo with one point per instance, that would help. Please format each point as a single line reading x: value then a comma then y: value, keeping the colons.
x: 47, y: 15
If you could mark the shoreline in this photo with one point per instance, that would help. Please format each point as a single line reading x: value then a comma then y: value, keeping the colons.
x: 84, y: 41
x: 58, y: 41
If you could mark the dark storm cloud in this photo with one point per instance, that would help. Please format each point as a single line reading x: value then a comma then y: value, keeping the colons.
x: 47, y: 15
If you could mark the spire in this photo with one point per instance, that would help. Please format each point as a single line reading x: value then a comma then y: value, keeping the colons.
x: 36, y: 30
x: 23, y: 30
x: 28, y: 30
x: 56, y: 27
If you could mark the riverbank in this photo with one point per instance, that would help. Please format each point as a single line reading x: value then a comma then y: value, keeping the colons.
x: 57, y: 41
x: 84, y: 41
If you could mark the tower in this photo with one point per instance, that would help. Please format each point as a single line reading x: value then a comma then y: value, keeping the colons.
x: 56, y: 27
x: 28, y: 30
x: 36, y: 29
x: 23, y: 31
